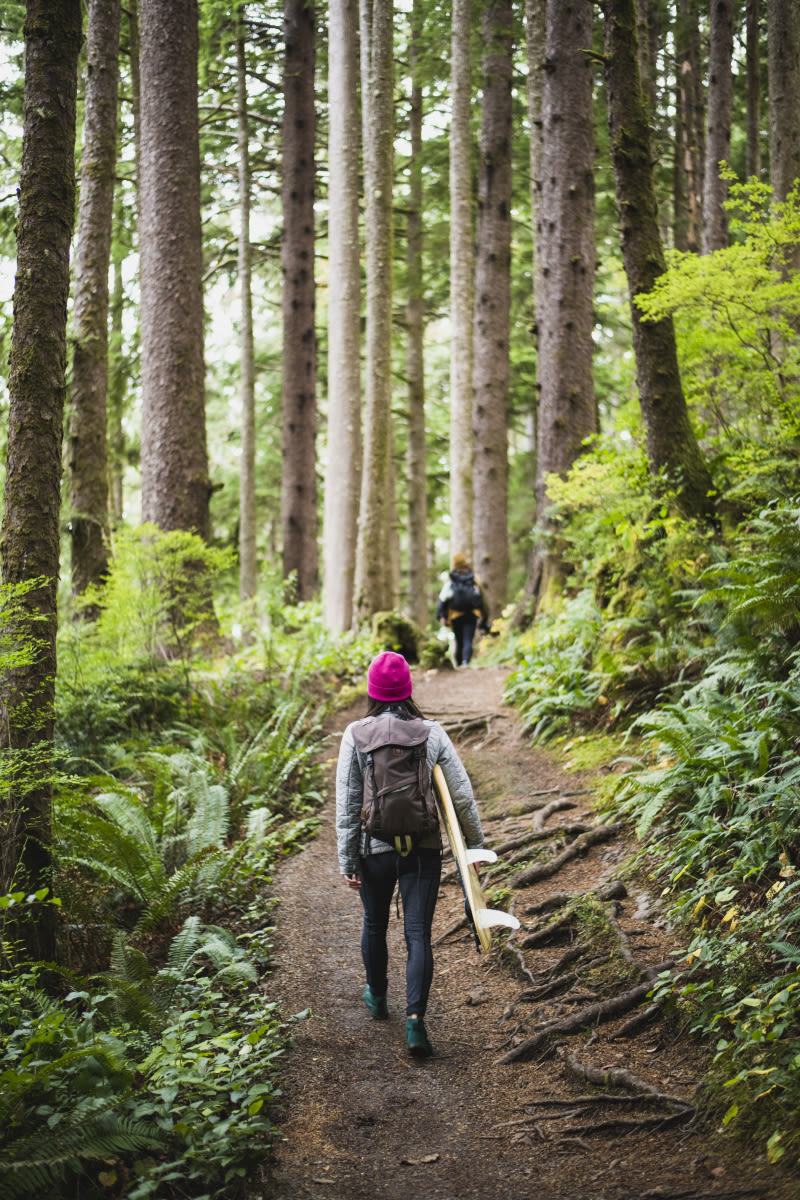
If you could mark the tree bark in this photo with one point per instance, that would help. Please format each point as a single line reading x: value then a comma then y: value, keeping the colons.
x: 565, y: 307
x: 248, y: 561
x: 492, y: 309
x: 783, y: 50
x: 299, y: 386
x: 175, y: 482
x: 418, y: 606
x: 29, y: 539
x: 88, y: 452
x: 718, y: 130
x: 462, y: 284
x: 753, y: 53
x: 671, y: 445
x: 343, y: 471
x: 374, y: 591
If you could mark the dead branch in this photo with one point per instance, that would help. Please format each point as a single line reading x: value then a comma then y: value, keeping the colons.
x: 593, y: 837
x: 592, y: 1014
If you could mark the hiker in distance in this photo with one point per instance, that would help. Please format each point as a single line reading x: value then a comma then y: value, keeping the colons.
x: 395, y: 742
x: 461, y: 603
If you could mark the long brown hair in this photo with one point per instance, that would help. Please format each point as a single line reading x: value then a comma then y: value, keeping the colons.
x: 405, y: 709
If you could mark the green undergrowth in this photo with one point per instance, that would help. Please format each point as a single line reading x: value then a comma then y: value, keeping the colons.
x: 675, y: 647
x: 145, y: 1062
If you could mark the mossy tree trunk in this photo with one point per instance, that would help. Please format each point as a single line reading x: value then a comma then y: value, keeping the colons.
x: 671, y: 444
x: 492, y: 308
x: 299, y: 359
x: 175, y: 482
x: 88, y: 453
x: 29, y: 540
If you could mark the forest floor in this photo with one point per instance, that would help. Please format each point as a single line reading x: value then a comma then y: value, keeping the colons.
x: 361, y: 1120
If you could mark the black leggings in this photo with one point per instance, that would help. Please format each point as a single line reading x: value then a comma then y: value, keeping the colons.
x: 464, y: 629
x: 418, y: 876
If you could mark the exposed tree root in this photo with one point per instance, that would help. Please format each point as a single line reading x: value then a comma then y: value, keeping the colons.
x: 618, y: 1077
x: 540, y: 937
x: 638, y: 1021
x: 593, y: 837
x: 554, y: 806
x: 575, y: 829
x: 632, y: 1124
x: 538, y: 835
x: 592, y: 1014
x: 615, y: 890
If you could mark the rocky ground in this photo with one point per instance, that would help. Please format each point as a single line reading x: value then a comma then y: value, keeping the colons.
x: 539, y: 1085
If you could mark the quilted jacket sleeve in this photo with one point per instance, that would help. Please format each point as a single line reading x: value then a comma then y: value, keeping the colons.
x: 349, y: 799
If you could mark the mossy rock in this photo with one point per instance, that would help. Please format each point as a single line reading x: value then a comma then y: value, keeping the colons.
x: 394, y: 631
x: 435, y: 654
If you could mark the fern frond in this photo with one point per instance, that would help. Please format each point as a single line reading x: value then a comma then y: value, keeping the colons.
x: 35, y: 1165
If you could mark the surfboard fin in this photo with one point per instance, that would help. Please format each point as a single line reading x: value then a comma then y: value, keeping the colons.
x: 481, y: 856
x: 496, y: 916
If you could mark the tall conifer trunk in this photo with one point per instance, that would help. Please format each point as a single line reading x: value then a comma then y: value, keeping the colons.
x: 492, y: 308
x: 671, y: 444
x: 88, y: 452
x: 374, y: 592
x: 343, y: 469
x: 718, y: 127
x: 248, y: 562
x: 299, y: 380
x: 565, y: 278
x: 175, y: 482
x: 783, y: 48
x: 462, y: 284
x: 29, y: 540
x: 753, y: 52
x: 415, y: 366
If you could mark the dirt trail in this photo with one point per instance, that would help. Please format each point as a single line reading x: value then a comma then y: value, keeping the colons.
x: 362, y: 1119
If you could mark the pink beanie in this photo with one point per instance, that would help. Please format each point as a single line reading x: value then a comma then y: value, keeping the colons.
x: 389, y: 677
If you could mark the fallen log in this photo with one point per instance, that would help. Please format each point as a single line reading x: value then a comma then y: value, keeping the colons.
x: 593, y: 837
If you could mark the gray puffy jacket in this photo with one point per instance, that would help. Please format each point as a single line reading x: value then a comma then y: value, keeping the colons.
x: 350, y: 797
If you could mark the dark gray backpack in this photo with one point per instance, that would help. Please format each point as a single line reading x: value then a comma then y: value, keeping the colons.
x: 399, y: 805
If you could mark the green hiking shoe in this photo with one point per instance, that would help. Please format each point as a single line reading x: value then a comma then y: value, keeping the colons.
x: 376, y: 1005
x: 417, y: 1038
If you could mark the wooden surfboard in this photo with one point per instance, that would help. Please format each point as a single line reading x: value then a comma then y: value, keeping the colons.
x: 483, y: 917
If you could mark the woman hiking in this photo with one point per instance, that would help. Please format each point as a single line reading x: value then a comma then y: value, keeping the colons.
x: 373, y: 867
x: 461, y: 603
